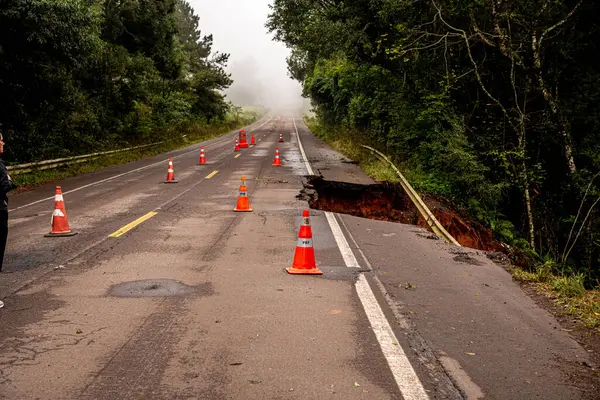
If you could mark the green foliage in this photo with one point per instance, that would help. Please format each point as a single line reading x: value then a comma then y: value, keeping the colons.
x: 455, y: 92
x: 78, y: 76
x: 193, y: 133
x: 568, y: 293
x: 570, y: 286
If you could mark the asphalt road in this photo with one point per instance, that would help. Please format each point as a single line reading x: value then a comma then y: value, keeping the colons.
x: 194, y: 302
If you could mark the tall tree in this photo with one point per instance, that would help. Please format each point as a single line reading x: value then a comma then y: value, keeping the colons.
x: 481, y: 99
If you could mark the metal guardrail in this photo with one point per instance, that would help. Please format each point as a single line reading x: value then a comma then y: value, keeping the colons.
x: 59, y: 162
x: 425, y: 212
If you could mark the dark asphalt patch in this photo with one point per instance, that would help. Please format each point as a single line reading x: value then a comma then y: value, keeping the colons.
x: 341, y: 273
x: 467, y: 259
x: 158, y: 288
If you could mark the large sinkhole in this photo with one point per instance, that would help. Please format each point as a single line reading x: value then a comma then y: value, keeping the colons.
x: 388, y: 202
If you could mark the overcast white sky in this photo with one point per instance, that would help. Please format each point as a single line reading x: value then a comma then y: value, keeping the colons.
x: 238, y: 27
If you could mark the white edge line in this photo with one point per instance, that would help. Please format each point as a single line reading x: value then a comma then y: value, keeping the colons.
x: 306, y: 163
x: 407, y: 380
x: 405, y: 376
x: 341, y: 241
x: 113, y: 177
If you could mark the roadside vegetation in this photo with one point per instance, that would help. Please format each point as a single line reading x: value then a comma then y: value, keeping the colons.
x: 567, y: 289
x: 84, y: 76
x: 192, y: 134
x: 490, y: 105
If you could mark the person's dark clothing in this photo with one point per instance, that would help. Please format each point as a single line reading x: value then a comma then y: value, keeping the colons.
x: 6, y: 186
x: 3, y: 234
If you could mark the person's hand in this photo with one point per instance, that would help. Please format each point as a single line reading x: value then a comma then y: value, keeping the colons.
x: 8, y: 177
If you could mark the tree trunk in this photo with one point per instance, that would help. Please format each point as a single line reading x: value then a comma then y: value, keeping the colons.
x: 529, y: 210
x: 564, y: 131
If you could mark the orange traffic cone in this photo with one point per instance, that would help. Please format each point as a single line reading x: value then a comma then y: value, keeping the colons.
x: 202, y: 157
x: 60, y: 223
x: 171, y: 172
x: 237, y: 145
x: 280, y: 138
x: 276, y: 160
x: 243, y: 141
x: 304, y: 258
x: 242, y: 202
x: 252, y: 143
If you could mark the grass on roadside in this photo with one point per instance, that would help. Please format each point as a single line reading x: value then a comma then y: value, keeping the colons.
x: 567, y: 292
x: 194, y: 134
x: 372, y: 165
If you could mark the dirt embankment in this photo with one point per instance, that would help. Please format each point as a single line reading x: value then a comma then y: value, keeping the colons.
x: 389, y: 202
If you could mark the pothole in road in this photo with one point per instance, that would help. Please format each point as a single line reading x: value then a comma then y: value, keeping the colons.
x: 388, y: 202
x: 158, y: 288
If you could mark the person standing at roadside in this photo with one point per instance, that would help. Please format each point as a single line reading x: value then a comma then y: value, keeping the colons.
x: 6, y: 185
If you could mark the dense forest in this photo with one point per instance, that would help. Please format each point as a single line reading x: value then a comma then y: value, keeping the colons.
x: 488, y: 103
x: 83, y: 75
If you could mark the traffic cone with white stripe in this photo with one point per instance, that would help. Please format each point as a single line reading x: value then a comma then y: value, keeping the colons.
x: 237, y: 145
x: 243, y: 141
x: 242, y: 203
x: 252, y: 142
x: 202, y: 157
x: 171, y: 172
x: 60, y: 223
x: 280, y: 138
x: 304, y: 258
x: 277, y: 160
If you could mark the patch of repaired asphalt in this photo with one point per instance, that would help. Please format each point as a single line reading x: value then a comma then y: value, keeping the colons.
x: 341, y: 273
x: 467, y: 259
x: 158, y: 288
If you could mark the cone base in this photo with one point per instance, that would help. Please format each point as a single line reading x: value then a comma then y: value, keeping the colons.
x: 173, y: 181
x: 63, y: 234
x: 296, y: 271
x: 277, y: 165
x: 246, y: 210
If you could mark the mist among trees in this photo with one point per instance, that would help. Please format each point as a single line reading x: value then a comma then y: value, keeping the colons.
x: 490, y: 104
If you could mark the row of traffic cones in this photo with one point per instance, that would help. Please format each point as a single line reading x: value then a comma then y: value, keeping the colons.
x: 60, y: 222
x: 171, y: 170
x: 242, y: 143
x: 304, y: 258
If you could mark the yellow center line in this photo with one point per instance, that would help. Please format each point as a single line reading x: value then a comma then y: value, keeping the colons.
x: 237, y: 156
x: 211, y: 174
x: 132, y: 225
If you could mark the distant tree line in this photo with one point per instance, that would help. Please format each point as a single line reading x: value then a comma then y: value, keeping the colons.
x: 492, y: 104
x: 82, y: 75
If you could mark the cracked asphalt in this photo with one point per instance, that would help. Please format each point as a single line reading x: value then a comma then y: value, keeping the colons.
x: 194, y: 303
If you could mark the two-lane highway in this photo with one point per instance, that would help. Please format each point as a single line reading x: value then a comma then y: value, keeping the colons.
x: 237, y: 326
x: 96, y: 204
x: 168, y: 293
